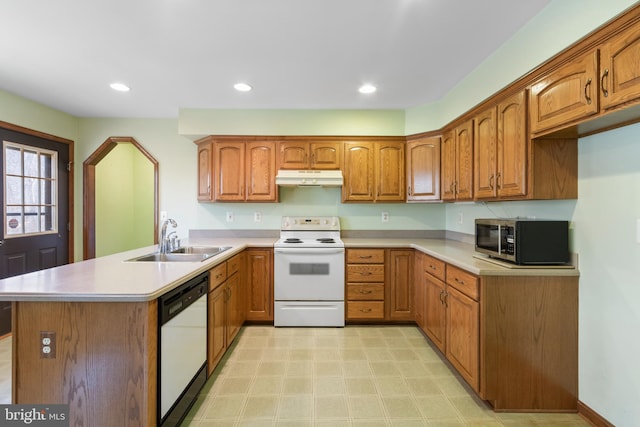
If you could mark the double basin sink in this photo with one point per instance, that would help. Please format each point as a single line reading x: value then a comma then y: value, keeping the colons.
x: 184, y: 254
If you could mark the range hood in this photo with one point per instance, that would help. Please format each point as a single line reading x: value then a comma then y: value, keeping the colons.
x: 309, y: 178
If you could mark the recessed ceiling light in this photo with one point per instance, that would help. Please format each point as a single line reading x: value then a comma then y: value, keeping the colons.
x: 367, y: 88
x: 120, y: 87
x: 242, y: 87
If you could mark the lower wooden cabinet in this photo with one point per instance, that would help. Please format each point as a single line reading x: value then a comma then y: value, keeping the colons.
x: 226, y: 307
x: 259, y: 277
x: 380, y: 284
x: 365, y: 284
x: 435, y: 313
x: 462, y: 341
x: 514, y: 339
x: 400, y: 289
x: 216, y: 331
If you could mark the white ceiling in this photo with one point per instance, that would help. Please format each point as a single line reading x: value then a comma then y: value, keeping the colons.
x: 295, y: 53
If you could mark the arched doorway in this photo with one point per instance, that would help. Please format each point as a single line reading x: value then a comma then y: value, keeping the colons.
x: 114, y: 176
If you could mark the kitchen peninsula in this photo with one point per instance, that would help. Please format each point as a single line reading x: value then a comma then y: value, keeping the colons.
x: 104, y: 313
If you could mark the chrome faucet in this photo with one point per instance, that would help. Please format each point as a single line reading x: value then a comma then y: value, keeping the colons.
x: 164, y: 242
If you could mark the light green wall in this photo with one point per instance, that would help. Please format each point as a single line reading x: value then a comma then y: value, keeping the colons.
x: 196, y: 123
x: 26, y: 113
x: 124, y: 201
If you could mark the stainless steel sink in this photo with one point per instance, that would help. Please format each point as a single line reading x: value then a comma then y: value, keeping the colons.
x: 215, y: 250
x: 184, y: 254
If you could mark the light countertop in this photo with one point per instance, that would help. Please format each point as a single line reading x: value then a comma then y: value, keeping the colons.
x: 113, y: 279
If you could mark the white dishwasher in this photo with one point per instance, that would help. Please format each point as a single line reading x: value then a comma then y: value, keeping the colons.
x: 182, y: 360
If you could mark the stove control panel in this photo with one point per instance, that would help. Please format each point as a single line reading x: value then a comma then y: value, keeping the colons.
x: 310, y: 223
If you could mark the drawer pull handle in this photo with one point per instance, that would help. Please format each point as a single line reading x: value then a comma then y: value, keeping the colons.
x: 459, y: 281
x: 365, y: 256
x: 365, y: 273
x: 365, y: 310
x: 365, y: 291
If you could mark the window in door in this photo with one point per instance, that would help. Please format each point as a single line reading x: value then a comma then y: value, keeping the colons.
x: 30, y: 182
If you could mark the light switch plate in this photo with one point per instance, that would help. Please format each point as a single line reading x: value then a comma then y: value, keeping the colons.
x: 638, y: 230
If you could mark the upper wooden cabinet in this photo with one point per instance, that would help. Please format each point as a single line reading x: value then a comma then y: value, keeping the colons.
x: 485, y: 150
x: 237, y: 170
x: 619, y: 70
x: 457, y: 163
x: 500, y: 150
x: 228, y: 171
x: 374, y: 171
x: 568, y: 94
x: 423, y: 169
x: 297, y: 155
x: 205, y: 171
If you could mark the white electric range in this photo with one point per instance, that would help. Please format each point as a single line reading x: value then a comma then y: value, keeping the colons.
x: 309, y: 272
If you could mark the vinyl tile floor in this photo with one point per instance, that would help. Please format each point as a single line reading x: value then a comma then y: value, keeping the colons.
x: 352, y: 376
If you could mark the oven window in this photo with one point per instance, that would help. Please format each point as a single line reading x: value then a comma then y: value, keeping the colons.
x: 308, y: 268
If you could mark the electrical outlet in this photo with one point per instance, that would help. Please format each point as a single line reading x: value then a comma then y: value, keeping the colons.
x: 163, y: 215
x: 47, y: 345
x: 257, y: 216
x: 460, y: 218
x: 638, y: 230
x: 385, y: 216
x: 229, y: 216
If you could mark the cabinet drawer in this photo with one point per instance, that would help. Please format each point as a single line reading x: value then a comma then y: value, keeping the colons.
x: 217, y: 275
x: 360, y: 292
x: 233, y: 264
x: 433, y: 266
x: 365, y: 309
x: 365, y: 256
x: 365, y: 273
x: 463, y: 281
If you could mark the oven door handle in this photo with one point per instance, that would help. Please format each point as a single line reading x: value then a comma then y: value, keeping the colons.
x: 309, y: 251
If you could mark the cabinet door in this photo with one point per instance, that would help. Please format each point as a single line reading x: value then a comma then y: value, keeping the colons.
x: 400, y: 297
x: 259, y: 284
x: 423, y: 169
x: 566, y: 95
x: 435, y: 311
x: 216, y: 344
x: 485, y: 161
x: 229, y: 166
x: 463, y: 350
x: 261, y: 171
x: 389, y: 171
x: 358, y: 172
x: 326, y: 155
x: 205, y: 165
x: 464, y: 161
x: 293, y: 155
x: 511, y: 179
x: 619, y: 70
x: 448, y: 166
x: 234, y: 308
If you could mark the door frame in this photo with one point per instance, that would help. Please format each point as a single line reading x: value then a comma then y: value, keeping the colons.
x: 70, y: 143
x: 89, y: 191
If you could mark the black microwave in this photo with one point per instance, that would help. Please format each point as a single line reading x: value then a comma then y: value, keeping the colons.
x: 524, y: 241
